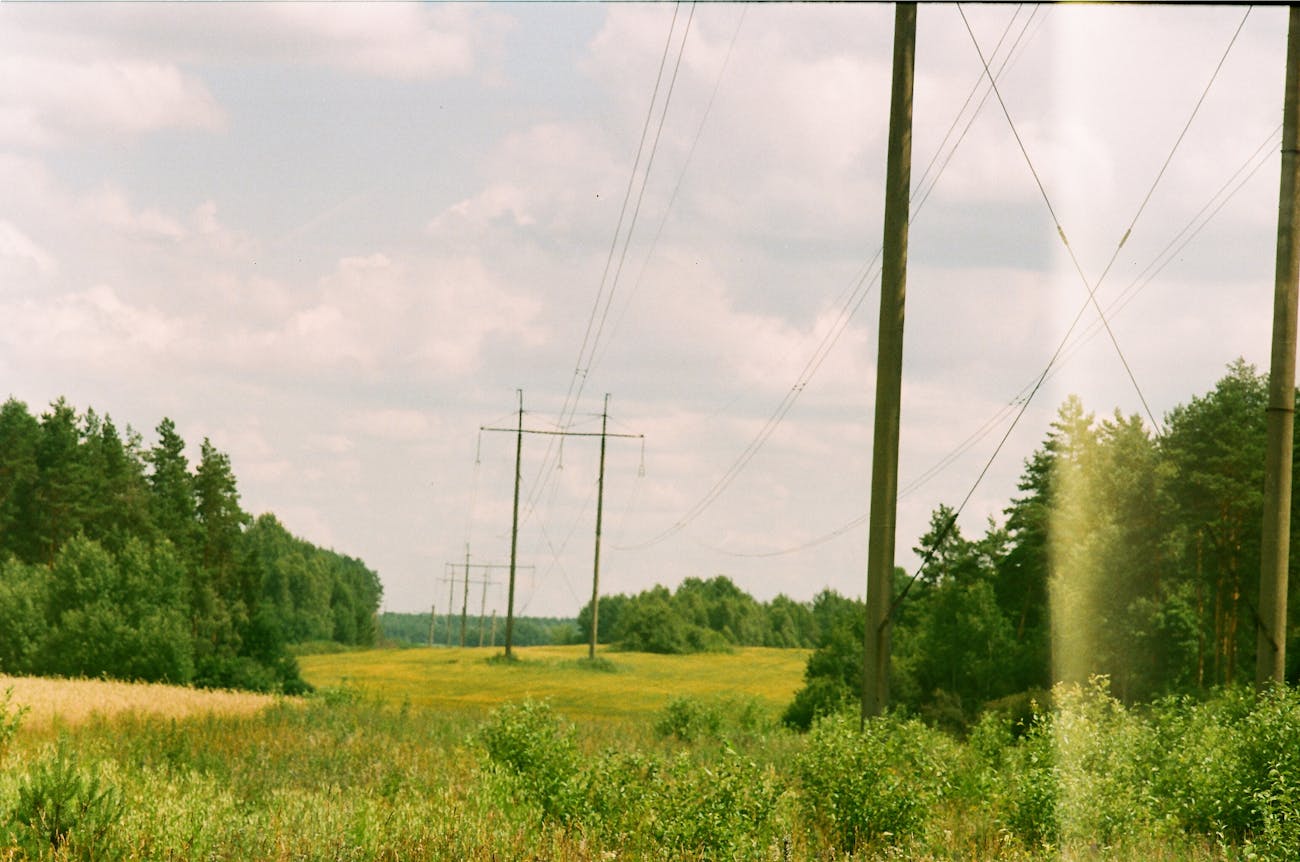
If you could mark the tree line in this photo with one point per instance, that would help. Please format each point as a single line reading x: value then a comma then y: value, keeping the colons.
x: 409, y: 630
x: 1129, y: 553
x: 120, y: 560
x: 709, y: 615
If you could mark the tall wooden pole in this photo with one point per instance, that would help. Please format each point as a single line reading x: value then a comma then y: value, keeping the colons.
x: 889, y: 370
x: 451, y: 598
x: 600, y: 505
x: 1270, y: 643
x: 514, y: 534
x: 464, y: 604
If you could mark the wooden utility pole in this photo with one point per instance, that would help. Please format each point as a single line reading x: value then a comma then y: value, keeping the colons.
x: 600, y: 504
x: 889, y: 370
x: 600, y: 498
x: 482, y: 607
x: 433, y: 619
x: 1270, y: 642
x: 486, y: 581
x: 451, y: 597
x: 464, y: 603
x: 514, y: 536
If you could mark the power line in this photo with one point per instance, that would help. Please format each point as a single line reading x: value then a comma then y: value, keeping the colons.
x: 681, y: 176
x: 578, y: 381
x: 1058, y: 358
x: 851, y: 301
x: 1092, y: 289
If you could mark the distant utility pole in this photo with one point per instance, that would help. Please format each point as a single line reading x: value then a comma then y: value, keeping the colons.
x: 464, y: 605
x: 451, y: 594
x: 433, y: 618
x: 466, y: 568
x: 520, y: 431
x: 889, y: 370
x: 1270, y: 639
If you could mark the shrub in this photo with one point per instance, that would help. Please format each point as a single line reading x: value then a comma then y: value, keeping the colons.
x: 539, y: 751
x: 689, y: 719
x: 881, y: 782
x: 11, y: 717
x: 65, y: 808
x: 1106, y: 756
x: 721, y: 810
x: 1231, y: 767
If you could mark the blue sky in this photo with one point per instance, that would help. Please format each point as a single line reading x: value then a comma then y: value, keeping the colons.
x: 335, y: 239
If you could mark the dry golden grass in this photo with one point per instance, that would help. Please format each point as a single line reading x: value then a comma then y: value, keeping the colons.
x: 75, y: 701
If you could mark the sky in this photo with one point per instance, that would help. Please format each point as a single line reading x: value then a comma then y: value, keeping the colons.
x: 337, y: 241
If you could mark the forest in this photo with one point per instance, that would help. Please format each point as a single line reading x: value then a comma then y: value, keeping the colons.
x: 1129, y: 554
x: 121, y: 560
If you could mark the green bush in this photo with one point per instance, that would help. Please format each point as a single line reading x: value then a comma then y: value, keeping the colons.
x: 65, y: 808
x: 1231, y: 767
x: 878, y: 783
x: 692, y: 719
x: 11, y: 718
x: 539, y: 751
x: 720, y: 810
x: 1106, y: 756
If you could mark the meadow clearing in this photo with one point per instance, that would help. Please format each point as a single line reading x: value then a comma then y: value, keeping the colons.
x: 449, y: 754
x: 618, y: 685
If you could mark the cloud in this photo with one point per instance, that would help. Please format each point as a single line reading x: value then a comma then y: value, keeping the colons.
x: 58, y: 99
x: 389, y: 40
x: 395, y: 424
x: 92, y: 328
x: 21, y: 256
x: 111, y: 208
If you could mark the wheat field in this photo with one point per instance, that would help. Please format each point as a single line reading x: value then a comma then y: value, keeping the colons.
x: 70, y: 702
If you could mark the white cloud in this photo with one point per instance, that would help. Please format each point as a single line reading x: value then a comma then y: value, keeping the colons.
x: 95, y: 327
x: 20, y: 255
x: 386, y: 40
x: 55, y: 100
x: 111, y: 208
x: 395, y: 424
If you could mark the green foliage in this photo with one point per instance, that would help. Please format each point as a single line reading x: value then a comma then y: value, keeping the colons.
x: 721, y: 810
x: 711, y: 615
x: 65, y: 807
x: 833, y: 676
x: 121, y: 561
x: 694, y: 719
x: 678, y: 806
x: 880, y: 783
x: 1141, y: 550
x: 11, y: 718
x: 403, y: 629
x: 539, y: 750
x: 343, y: 776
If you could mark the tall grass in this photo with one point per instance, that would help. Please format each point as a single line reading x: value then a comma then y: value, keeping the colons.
x: 345, y: 775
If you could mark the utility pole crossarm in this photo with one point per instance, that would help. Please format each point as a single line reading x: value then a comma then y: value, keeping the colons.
x: 564, y: 433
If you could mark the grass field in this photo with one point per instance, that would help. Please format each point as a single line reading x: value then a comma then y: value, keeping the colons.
x: 447, y: 755
x: 618, y: 685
